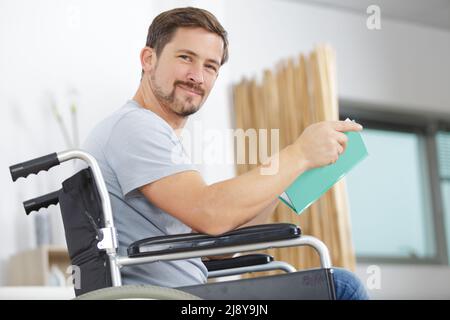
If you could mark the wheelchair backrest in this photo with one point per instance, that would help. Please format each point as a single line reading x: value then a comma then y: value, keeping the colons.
x: 82, y: 218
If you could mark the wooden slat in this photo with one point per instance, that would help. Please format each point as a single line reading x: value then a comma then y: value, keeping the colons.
x: 291, y: 98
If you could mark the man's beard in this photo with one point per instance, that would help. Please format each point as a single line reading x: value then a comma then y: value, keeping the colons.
x: 182, y: 108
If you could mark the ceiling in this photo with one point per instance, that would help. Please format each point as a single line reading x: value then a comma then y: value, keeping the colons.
x: 431, y: 13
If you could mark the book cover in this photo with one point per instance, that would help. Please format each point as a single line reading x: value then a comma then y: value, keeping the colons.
x: 312, y: 184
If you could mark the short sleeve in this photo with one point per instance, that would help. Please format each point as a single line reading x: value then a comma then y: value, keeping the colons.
x: 143, y: 148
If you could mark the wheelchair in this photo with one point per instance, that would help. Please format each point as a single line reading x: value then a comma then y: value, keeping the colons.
x: 92, y: 243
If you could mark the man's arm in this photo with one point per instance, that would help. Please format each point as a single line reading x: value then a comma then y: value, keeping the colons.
x: 223, y: 206
x: 226, y: 205
x: 263, y: 216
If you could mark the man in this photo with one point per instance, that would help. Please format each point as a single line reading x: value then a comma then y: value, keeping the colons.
x: 151, y: 194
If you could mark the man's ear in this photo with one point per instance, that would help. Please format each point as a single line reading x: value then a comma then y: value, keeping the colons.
x: 148, y: 56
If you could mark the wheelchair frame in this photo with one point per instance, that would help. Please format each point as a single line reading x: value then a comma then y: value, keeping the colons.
x: 109, y: 240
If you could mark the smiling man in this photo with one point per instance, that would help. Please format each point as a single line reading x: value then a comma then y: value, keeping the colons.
x: 182, y: 77
x: 152, y: 195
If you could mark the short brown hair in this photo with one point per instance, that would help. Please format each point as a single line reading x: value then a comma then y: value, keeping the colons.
x: 165, y: 25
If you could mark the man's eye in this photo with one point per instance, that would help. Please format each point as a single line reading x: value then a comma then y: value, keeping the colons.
x: 209, y: 66
x: 184, y: 57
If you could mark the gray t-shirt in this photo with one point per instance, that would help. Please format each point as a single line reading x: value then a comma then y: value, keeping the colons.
x: 134, y: 147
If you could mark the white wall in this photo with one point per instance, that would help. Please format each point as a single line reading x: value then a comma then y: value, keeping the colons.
x: 51, y: 46
x: 403, y: 65
x: 48, y: 48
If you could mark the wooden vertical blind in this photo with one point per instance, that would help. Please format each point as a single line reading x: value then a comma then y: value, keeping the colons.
x: 294, y: 96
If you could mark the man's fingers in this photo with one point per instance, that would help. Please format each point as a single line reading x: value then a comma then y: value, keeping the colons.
x: 344, y: 126
x: 343, y: 146
x: 340, y: 149
x: 341, y: 137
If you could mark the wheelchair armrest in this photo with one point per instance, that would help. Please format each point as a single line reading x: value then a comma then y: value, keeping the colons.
x: 196, y: 241
x: 238, y: 262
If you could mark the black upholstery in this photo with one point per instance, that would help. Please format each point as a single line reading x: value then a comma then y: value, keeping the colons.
x: 82, y: 217
x: 197, y: 241
x: 238, y: 262
x: 312, y: 284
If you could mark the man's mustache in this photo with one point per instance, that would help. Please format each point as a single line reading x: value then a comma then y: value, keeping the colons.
x: 192, y: 86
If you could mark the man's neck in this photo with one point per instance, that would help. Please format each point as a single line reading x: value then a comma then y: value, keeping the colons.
x: 148, y: 101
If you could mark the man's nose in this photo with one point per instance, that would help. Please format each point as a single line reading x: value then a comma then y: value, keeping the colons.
x: 196, y: 74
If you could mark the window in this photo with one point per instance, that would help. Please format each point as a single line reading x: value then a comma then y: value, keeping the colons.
x: 399, y: 196
x: 389, y: 203
x: 443, y: 148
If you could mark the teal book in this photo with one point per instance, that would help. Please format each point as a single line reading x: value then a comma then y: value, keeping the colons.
x: 312, y: 184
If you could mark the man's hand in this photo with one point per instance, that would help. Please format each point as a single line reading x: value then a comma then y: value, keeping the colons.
x: 321, y: 143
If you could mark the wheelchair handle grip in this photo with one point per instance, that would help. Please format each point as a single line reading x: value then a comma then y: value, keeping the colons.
x: 41, y: 202
x: 33, y: 166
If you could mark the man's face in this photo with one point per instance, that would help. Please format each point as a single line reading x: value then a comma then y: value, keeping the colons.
x: 184, y: 73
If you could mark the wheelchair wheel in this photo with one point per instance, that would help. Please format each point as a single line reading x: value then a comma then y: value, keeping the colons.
x: 137, y: 292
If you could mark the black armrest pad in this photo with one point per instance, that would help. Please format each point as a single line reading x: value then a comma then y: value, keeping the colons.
x: 196, y: 241
x: 238, y: 262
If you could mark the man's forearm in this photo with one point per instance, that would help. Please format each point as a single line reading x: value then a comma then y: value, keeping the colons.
x: 263, y: 216
x: 236, y: 201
